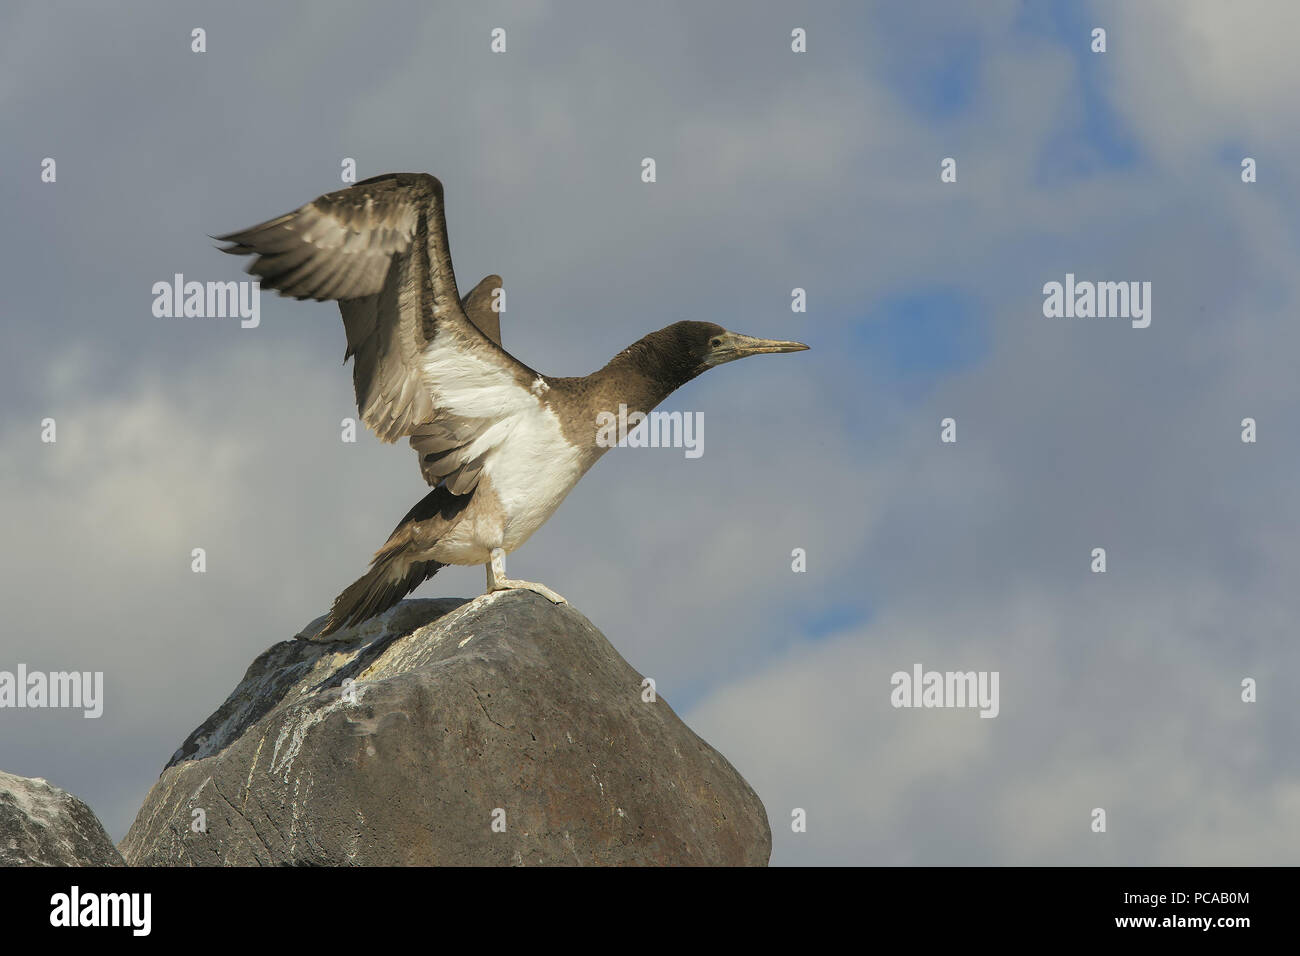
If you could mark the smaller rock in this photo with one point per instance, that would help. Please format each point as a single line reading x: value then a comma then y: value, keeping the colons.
x: 41, y: 825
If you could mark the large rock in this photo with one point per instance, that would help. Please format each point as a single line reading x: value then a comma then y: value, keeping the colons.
x: 41, y: 825
x: 463, y: 717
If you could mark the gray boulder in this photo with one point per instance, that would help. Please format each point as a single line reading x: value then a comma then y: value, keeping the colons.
x: 503, y: 730
x: 41, y: 825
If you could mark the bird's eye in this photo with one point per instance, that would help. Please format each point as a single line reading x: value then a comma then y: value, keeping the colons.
x: 715, y: 343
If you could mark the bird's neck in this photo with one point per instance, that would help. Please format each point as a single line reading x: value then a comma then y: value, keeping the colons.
x: 643, y: 375
x: 635, y: 380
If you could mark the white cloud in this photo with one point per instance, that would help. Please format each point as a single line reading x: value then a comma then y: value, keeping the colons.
x: 1196, y: 74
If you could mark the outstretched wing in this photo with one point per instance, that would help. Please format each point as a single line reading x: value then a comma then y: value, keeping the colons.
x: 422, y: 368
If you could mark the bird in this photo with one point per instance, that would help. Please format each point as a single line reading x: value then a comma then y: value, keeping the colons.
x: 500, y: 444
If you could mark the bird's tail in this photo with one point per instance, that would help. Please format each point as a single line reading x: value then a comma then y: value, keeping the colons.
x: 395, y: 571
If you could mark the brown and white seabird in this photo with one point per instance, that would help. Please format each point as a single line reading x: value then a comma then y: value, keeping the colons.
x: 501, y: 444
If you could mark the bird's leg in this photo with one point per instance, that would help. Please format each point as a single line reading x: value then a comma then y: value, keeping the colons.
x: 497, y: 580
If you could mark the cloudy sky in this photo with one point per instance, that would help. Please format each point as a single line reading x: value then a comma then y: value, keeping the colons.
x: 775, y: 170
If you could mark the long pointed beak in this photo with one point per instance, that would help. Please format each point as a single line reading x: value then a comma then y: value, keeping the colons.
x: 733, y: 345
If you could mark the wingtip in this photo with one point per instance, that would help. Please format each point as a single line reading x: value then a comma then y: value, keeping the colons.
x: 235, y: 248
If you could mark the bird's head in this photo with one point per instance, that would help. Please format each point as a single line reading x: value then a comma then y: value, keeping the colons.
x: 696, y: 347
x: 713, y: 345
x: 679, y: 352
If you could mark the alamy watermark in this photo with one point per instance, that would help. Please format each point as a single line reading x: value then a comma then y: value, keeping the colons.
x: 1102, y: 300
x: 82, y: 690
x: 922, y: 688
x: 212, y: 300
x: 130, y: 910
x: 655, y: 430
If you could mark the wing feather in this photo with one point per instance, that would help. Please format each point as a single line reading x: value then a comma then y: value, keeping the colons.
x: 478, y: 307
x: 426, y: 364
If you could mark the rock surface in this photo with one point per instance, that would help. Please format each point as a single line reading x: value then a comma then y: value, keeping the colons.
x: 41, y: 825
x: 504, y: 730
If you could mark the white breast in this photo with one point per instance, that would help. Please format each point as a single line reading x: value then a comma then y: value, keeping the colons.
x: 528, y: 467
x: 531, y: 472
